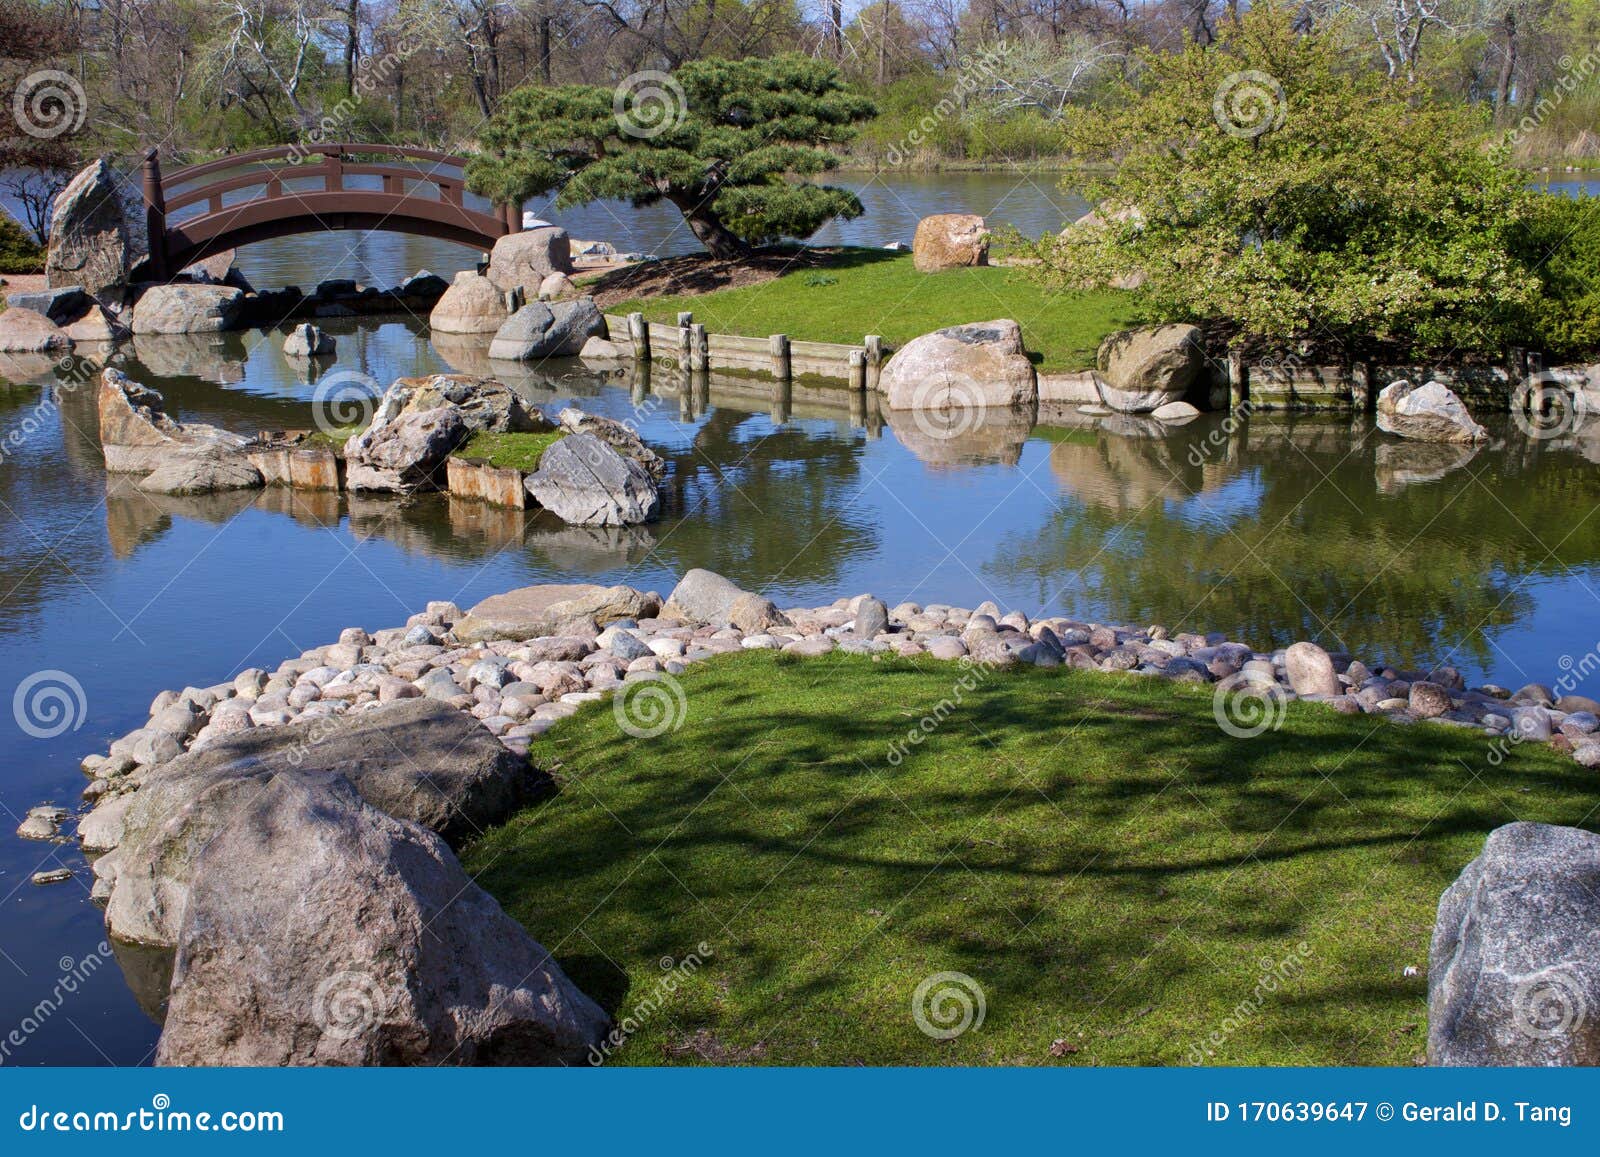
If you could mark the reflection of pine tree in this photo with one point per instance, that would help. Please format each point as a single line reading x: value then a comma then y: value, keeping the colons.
x: 761, y: 504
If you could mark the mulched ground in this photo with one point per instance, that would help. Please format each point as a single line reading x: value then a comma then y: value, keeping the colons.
x: 698, y: 273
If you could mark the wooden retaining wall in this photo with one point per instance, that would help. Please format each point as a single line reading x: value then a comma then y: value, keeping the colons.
x: 1291, y: 385
x: 690, y: 347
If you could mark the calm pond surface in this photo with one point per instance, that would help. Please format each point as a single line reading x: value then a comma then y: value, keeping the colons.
x: 1271, y: 529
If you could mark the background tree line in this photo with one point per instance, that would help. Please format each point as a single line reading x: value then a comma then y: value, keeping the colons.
x: 204, y: 75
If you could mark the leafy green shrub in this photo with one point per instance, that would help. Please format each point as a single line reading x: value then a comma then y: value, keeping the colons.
x: 1561, y: 243
x: 1271, y: 184
x: 19, y: 253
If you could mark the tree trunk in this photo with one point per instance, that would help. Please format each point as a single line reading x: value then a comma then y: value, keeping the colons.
x: 1508, y: 65
x: 352, y: 42
x: 708, y: 228
x: 544, y: 48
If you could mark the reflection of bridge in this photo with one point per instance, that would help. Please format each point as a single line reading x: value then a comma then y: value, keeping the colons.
x: 309, y: 189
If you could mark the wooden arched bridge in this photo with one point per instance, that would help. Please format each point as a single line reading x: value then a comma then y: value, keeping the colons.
x: 309, y: 189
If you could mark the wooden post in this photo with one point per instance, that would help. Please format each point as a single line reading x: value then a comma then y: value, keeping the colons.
x: 1238, y: 379
x: 781, y: 361
x: 685, y: 347
x: 685, y: 319
x: 155, y: 215
x: 514, y: 299
x: 639, y: 332
x: 641, y: 382
x: 874, y: 346
x: 1361, y: 387
x: 699, y: 348
x: 858, y: 369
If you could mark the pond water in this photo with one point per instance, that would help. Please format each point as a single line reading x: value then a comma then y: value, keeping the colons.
x: 1271, y: 529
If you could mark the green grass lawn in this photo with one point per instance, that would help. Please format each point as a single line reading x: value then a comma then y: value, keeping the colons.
x: 1111, y: 869
x: 874, y: 291
x: 515, y: 451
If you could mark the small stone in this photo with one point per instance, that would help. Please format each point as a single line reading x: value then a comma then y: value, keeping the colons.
x: 872, y: 617
x: 1428, y: 700
x: 52, y: 876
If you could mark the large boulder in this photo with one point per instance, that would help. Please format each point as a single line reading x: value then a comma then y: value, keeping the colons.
x: 964, y: 368
x: 1144, y: 369
x: 1514, y: 967
x: 1107, y: 216
x: 552, y: 609
x: 523, y: 260
x: 321, y: 931
x: 618, y: 435
x: 62, y: 305
x: 203, y: 474
x: 472, y: 304
x: 950, y: 241
x: 556, y: 330
x: 585, y: 482
x: 704, y: 596
x: 138, y: 436
x: 26, y: 331
x: 417, y: 759
x: 181, y: 308
x: 1310, y: 670
x: 484, y: 404
x: 1426, y: 413
x: 96, y: 235
x: 403, y: 449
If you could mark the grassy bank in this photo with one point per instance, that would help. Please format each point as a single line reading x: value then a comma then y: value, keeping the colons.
x: 866, y: 291
x: 1111, y: 869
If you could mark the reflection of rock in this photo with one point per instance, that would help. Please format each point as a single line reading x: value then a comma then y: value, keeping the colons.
x: 592, y: 549
x: 1402, y: 464
x: 1117, y: 473
x: 23, y: 368
x: 134, y: 517
x: 212, y: 357
x: 148, y: 972
x: 963, y: 438
x: 316, y: 508
x: 536, y: 384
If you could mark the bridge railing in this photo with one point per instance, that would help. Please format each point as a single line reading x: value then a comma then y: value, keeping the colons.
x: 272, y: 170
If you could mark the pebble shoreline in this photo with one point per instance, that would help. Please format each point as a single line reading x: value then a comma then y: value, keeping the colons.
x: 519, y: 687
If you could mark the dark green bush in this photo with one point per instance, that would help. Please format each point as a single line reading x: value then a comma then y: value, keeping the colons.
x: 19, y: 253
x: 1561, y: 244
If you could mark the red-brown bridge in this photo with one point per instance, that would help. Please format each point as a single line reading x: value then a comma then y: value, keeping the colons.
x: 424, y: 196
